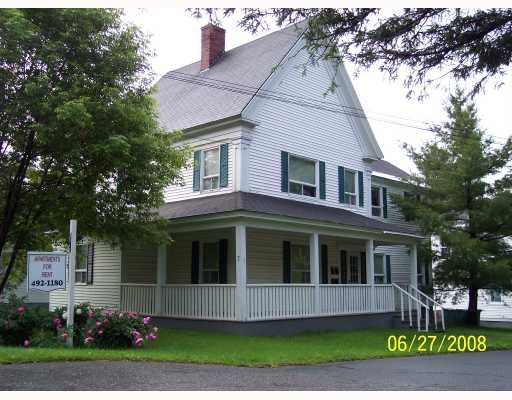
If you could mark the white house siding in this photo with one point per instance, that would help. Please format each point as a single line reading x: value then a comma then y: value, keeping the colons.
x: 400, y: 262
x: 179, y: 254
x: 491, y: 311
x: 139, y: 263
x: 200, y: 142
x: 303, y: 131
x: 105, y: 290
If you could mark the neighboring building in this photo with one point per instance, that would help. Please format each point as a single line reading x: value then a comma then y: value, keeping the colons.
x: 274, y: 228
x: 31, y: 297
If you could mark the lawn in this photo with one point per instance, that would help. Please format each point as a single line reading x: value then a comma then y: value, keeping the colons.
x: 216, y: 348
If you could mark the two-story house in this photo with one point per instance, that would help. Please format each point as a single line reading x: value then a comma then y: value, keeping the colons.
x: 284, y: 221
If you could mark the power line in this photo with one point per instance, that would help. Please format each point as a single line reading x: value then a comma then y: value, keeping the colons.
x: 295, y: 99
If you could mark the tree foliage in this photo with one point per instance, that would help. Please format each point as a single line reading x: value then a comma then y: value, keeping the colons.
x: 79, y: 136
x: 463, y: 194
x: 425, y: 41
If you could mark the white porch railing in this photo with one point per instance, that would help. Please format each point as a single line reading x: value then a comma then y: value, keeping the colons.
x: 199, y: 301
x: 138, y: 297
x: 277, y: 301
x: 345, y: 299
x: 264, y: 301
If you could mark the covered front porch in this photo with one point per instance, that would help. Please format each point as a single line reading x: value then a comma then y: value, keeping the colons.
x: 257, y: 269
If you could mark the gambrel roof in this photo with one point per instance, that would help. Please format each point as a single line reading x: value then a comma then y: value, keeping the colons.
x: 188, y: 97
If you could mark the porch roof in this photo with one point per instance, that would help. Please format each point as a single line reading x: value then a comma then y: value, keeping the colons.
x: 253, y: 202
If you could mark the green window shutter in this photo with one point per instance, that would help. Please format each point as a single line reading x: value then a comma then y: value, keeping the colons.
x: 284, y: 171
x: 287, y: 269
x: 360, y: 178
x: 223, y: 261
x: 324, y: 261
x: 321, y: 168
x: 343, y: 266
x: 363, y: 267
x: 195, y: 263
x: 224, y: 169
x: 341, y: 184
x: 385, y: 202
x: 196, y: 182
x: 90, y: 263
x: 388, y: 269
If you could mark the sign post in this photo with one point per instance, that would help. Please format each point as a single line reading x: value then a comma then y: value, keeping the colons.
x: 71, y: 281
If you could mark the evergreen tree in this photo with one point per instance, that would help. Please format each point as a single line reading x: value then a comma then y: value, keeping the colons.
x: 463, y: 195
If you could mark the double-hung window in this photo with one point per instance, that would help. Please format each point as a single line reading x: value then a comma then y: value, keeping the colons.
x: 211, y: 169
x: 495, y: 295
x: 211, y: 262
x: 379, y: 270
x: 299, y: 264
x: 350, y: 187
x: 377, y: 201
x: 81, y: 264
x: 302, y: 176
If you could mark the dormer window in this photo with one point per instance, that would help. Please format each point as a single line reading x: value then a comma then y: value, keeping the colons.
x: 302, y: 173
x: 350, y: 187
x: 211, y: 170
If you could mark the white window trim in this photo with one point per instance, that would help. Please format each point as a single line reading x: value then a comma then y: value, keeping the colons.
x: 84, y: 269
x: 356, y: 188
x: 317, y: 178
x: 202, y: 269
x: 384, y: 267
x: 203, y: 176
x: 381, y: 201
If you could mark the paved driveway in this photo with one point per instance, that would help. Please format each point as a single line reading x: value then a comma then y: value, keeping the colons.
x: 465, y: 371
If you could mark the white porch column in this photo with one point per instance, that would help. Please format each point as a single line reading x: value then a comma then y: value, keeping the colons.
x: 161, y: 277
x: 314, y: 265
x: 413, y: 277
x: 241, y: 272
x: 370, y: 271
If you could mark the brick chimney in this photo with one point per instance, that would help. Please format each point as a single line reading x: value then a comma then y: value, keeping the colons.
x: 212, y: 45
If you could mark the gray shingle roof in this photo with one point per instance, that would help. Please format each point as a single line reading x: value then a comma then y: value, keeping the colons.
x: 252, y: 202
x: 385, y: 167
x: 184, y: 105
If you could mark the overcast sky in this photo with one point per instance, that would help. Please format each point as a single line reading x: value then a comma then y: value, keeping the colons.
x: 175, y: 38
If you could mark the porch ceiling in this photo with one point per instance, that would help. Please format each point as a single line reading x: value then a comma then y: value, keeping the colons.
x: 252, y: 202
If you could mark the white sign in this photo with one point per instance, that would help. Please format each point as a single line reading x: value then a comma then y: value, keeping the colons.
x: 46, y: 271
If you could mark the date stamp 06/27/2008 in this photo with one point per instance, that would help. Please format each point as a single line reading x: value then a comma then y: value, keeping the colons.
x: 436, y: 343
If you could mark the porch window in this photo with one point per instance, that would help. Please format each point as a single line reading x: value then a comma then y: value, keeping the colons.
x: 211, y: 262
x: 376, y: 201
x: 211, y: 163
x: 379, y: 270
x: 350, y: 187
x: 81, y: 264
x: 354, y: 268
x: 302, y: 176
x: 299, y: 264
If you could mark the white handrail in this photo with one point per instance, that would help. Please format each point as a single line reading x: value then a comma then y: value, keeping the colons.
x: 428, y: 298
x: 419, y: 304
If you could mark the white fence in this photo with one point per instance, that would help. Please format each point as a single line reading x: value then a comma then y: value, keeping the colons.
x: 264, y: 301
x: 277, y: 301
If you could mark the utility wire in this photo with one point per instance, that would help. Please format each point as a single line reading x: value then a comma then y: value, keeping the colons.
x: 297, y: 100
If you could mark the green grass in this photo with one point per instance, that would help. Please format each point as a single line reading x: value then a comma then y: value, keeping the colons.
x: 216, y: 348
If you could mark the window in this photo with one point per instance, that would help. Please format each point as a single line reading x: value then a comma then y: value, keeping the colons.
x: 445, y: 250
x: 354, y: 268
x: 495, y: 296
x: 421, y: 276
x: 211, y: 165
x: 376, y: 201
x: 299, y: 264
x: 302, y: 178
x: 211, y: 262
x: 379, y: 270
x: 350, y: 187
x: 81, y: 264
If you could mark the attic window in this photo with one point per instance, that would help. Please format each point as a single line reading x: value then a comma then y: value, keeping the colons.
x: 211, y: 169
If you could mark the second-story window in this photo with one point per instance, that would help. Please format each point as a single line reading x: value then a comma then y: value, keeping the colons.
x: 211, y: 169
x: 302, y: 176
x: 376, y: 201
x: 350, y: 187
